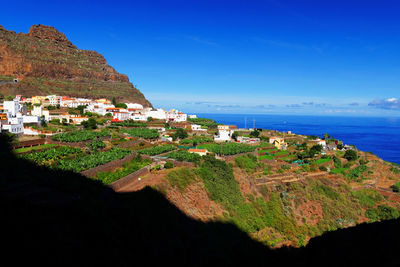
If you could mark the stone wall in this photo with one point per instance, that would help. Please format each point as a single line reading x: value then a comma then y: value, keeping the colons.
x: 129, y: 179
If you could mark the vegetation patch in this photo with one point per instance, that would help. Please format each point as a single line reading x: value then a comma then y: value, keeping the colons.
x: 156, y: 150
x: 382, y: 212
x: 183, y: 155
x: 33, y: 148
x: 182, y: 177
x: 367, y: 197
x: 82, y: 163
x: 246, y: 162
x: 78, y: 136
x: 142, y: 132
x: 229, y: 148
x: 129, y: 167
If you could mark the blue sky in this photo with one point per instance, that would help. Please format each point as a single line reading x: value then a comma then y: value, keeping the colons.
x: 270, y: 56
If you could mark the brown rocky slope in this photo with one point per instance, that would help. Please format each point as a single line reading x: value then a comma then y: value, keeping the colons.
x: 46, y: 62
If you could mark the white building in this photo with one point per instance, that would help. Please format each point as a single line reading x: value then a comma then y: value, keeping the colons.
x: 54, y: 100
x: 12, y: 107
x: 224, y: 133
x: 160, y: 114
x: 31, y: 119
x: 12, y: 120
x: 196, y: 127
x: 192, y: 116
x: 78, y: 120
x: 248, y: 140
x: 121, y: 115
x: 201, y: 152
x: 138, y: 117
x: 98, y: 108
x: 135, y: 106
x: 175, y: 115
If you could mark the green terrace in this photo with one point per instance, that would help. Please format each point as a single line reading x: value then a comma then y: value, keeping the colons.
x: 74, y: 158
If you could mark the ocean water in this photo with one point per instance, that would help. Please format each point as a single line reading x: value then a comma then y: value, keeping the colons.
x: 380, y: 136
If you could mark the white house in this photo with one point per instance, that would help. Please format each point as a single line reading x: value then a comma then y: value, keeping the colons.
x: 196, y: 127
x: 78, y: 120
x: 248, y: 140
x: 160, y: 114
x: 175, y: 115
x: 121, y: 115
x: 98, y: 108
x: 224, y: 133
x: 192, y: 116
x: 54, y: 100
x: 12, y: 107
x: 31, y: 119
x: 201, y: 152
x: 135, y: 106
x: 138, y: 117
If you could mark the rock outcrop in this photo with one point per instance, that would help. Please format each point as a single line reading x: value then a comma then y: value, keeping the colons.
x: 46, y: 62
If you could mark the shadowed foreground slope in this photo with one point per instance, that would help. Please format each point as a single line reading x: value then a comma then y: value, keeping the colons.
x: 54, y: 217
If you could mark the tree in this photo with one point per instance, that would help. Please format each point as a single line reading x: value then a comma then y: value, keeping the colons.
x: 114, y: 101
x: 10, y: 98
x: 43, y: 123
x: 350, y: 155
x: 91, y: 123
x: 314, y: 150
x: 149, y: 119
x: 81, y: 109
x: 121, y: 105
x: 339, y: 146
x: 255, y: 133
x: 108, y: 114
x: 180, y: 134
x: 235, y: 135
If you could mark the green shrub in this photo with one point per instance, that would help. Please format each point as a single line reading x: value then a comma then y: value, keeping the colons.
x: 168, y: 165
x: 181, y: 178
x: 323, y: 168
x: 350, y: 155
x: 246, y: 162
x: 396, y: 187
x: 367, y: 197
x: 382, y: 212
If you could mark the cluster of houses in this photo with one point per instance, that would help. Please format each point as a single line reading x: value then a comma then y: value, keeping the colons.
x: 14, y: 114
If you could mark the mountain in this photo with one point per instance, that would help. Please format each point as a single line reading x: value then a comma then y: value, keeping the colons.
x: 46, y: 62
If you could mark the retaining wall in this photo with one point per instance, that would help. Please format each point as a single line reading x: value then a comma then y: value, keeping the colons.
x: 129, y: 179
x: 30, y: 143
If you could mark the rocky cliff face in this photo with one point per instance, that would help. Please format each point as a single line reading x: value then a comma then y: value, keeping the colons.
x: 46, y: 62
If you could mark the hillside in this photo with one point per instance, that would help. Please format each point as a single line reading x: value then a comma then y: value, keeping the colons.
x: 57, y: 217
x: 46, y: 62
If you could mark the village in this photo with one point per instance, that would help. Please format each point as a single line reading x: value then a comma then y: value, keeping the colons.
x: 128, y: 147
x: 41, y: 121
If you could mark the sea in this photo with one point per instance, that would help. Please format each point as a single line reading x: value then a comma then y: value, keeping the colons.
x: 380, y: 136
